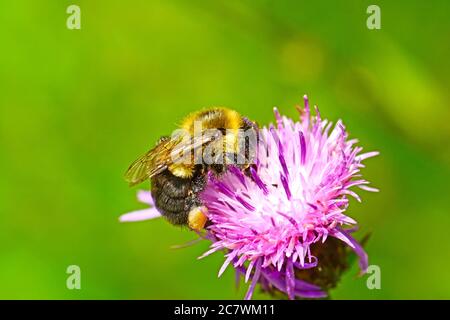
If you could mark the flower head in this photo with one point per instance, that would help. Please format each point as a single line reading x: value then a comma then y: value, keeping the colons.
x: 273, y: 219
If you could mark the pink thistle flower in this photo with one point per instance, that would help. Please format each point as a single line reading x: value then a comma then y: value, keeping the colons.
x: 293, y: 199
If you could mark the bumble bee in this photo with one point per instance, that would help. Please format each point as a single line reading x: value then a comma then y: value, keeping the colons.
x: 206, y: 141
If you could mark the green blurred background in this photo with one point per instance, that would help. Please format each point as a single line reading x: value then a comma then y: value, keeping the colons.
x: 77, y: 106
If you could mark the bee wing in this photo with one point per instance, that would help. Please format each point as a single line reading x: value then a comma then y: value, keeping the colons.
x: 194, y: 144
x: 163, y: 155
x: 151, y: 163
x: 139, y: 169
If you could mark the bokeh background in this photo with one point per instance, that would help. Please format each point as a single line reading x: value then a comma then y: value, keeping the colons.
x: 77, y: 106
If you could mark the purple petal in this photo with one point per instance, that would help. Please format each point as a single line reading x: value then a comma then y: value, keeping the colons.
x: 255, y: 279
x: 290, y: 280
x: 224, y: 189
x: 258, y: 181
x: 226, y: 263
x: 367, y: 188
x: 302, y: 288
x: 278, y: 117
x: 364, y: 156
x: 363, y: 259
x: 283, y: 164
x: 145, y: 197
x: 249, y: 270
x: 311, y: 294
x: 306, y: 265
x: 286, y: 187
x: 238, y: 174
x: 306, y: 101
x: 247, y: 205
x: 140, y: 215
x: 302, y: 147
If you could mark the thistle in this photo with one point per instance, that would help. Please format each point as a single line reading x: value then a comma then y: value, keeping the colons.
x: 275, y: 222
x: 282, y: 222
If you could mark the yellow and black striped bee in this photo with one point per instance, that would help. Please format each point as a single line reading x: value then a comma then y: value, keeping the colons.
x: 207, y: 140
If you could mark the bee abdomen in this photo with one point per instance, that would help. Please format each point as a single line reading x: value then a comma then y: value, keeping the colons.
x: 166, y: 202
x: 175, y: 197
x: 171, y: 195
x: 169, y: 184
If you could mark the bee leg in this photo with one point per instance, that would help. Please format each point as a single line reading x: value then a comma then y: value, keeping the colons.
x: 197, y: 218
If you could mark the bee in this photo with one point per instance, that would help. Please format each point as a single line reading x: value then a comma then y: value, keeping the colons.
x: 206, y: 141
